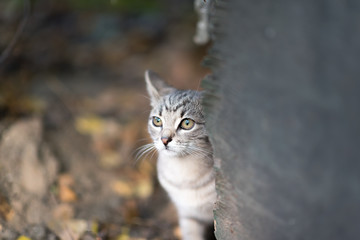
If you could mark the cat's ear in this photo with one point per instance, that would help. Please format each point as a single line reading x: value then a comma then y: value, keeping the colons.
x: 156, y: 87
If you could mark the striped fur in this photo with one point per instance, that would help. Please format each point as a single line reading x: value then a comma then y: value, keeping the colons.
x: 185, y: 164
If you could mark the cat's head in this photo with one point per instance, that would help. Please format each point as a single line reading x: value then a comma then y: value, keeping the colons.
x: 176, y: 123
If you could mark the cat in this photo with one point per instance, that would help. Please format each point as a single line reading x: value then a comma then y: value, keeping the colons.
x: 185, y: 156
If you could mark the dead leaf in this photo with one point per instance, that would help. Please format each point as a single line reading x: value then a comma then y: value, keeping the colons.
x: 66, y: 194
x: 94, y: 227
x: 89, y: 125
x: 5, y: 209
x: 22, y: 237
x: 177, y: 232
x: 122, y: 188
x: 144, y: 189
x: 110, y: 159
x: 124, y: 234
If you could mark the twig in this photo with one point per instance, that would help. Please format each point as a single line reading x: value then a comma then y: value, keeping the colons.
x: 19, y: 30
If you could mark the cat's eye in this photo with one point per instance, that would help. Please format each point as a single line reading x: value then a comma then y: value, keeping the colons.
x: 157, y: 122
x: 187, y: 124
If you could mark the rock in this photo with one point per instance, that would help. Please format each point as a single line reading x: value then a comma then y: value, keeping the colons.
x: 27, y: 169
x: 7, y: 234
x: 37, y: 232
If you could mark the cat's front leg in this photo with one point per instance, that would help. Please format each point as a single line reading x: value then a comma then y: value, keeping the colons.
x: 192, y: 229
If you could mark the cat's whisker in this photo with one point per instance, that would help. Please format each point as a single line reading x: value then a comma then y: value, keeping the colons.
x: 201, y: 152
x: 196, y: 150
x: 151, y: 151
x: 143, y: 150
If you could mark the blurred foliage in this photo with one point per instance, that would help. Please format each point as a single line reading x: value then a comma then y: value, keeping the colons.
x: 9, y: 7
x: 133, y: 6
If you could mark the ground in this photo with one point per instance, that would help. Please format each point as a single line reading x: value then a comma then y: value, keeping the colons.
x: 73, y: 111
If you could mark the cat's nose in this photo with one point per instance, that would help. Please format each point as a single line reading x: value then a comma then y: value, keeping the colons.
x: 166, y: 140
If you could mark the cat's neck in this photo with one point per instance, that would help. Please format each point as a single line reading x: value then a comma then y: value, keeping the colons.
x: 187, y: 161
x: 183, y: 171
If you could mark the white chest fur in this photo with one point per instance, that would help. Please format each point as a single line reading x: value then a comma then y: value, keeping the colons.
x: 190, y: 183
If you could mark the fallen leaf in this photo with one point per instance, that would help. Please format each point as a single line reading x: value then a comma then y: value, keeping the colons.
x: 144, y: 189
x: 124, y: 234
x: 177, y: 232
x: 5, y: 209
x: 89, y: 125
x: 110, y: 159
x: 66, y: 194
x: 122, y: 188
x: 22, y: 237
x: 94, y: 227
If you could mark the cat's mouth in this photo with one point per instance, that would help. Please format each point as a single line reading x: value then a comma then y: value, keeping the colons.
x: 168, y: 150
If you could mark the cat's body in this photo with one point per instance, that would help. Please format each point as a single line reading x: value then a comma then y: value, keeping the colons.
x: 185, y: 163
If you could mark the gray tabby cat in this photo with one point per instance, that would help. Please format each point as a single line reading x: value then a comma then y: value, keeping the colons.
x: 185, y: 163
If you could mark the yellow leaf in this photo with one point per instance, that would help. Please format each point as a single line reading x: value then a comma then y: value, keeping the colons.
x: 89, y: 125
x: 22, y: 237
x: 110, y: 159
x: 122, y: 188
x: 144, y: 188
x: 94, y: 227
x: 124, y: 234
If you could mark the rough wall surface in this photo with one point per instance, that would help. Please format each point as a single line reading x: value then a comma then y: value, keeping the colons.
x: 284, y: 117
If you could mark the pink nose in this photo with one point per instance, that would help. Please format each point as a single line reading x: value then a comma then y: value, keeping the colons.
x: 166, y: 140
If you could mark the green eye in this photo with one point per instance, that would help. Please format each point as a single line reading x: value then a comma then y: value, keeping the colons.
x: 157, y: 122
x: 187, y: 124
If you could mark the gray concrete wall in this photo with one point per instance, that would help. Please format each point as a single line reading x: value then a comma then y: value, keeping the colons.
x: 284, y: 115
